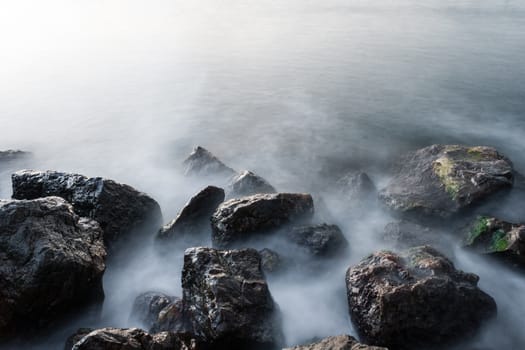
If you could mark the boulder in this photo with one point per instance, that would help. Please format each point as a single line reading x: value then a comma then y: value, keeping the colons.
x: 119, y: 208
x: 321, y: 240
x: 497, y: 238
x: 75, y: 337
x: 271, y: 261
x: 413, y: 300
x: 238, y: 219
x: 227, y: 300
x: 340, y: 342
x: 202, y: 162
x: 441, y: 180
x: 194, y: 218
x: 52, y: 262
x: 147, y: 306
x: 247, y: 183
x: 171, y: 318
x: 356, y: 187
x: 134, y: 339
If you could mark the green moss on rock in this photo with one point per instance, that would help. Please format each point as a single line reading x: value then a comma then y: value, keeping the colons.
x: 480, y: 226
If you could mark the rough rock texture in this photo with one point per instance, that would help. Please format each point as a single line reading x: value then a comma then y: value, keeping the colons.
x: 147, y: 306
x: 441, y: 180
x: 414, y: 300
x: 194, y: 218
x: 171, y: 318
x: 340, y: 342
x: 51, y: 262
x: 134, y: 339
x: 357, y: 186
x: 117, y: 207
x: 500, y: 239
x: 203, y: 163
x: 321, y: 240
x: 75, y: 337
x: 235, y: 220
x: 227, y: 299
x: 271, y: 261
x: 406, y: 234
x: 247, y: 183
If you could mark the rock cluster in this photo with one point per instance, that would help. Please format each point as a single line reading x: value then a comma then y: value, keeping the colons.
x: 340, y: 342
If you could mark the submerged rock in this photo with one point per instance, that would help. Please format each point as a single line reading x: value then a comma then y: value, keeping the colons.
x: 321, y: 240
x: 247, y: 183
x: 497, y: 238
x: 52, y: 263
x: 440, y: 180
x: 119, y: 208
x: 147, y: 306
x: 203, y: 163
x: 194, y: 218
x: 340, y: 342
x: 414, y: 300
x: 356, y: 186
x: 271, y: 261
x: 237, y: 219
x: 134, y: 339
x: 405, y: 234
x: 227, y: 300
x: 11, y: 155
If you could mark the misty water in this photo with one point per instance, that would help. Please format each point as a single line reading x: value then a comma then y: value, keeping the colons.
x: 297, y: 91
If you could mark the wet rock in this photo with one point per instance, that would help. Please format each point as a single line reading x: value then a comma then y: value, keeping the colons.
x: 147, y: 306
x: 440, y: 180
x: 356, y: 187
x: 497, y: 238
x: 247, y: 183
x: 172, y: 318
x: 340, y: 342
x: 405, y: 234
x: 202, y: 162
x: 11, y: 155
x: 227, y: 299
x: 414, y: 300
x: 120, y: 209
x: 52, y: 263
x: 75, y: 338
x: 270, y: 260
x: 134, y: 339
x: 194, y: 219
x: 321, y: 240
x: 238, y: 219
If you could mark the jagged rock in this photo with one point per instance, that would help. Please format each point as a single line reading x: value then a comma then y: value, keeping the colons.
x: 406, y: 234
x: 321, y: 240
x: 227, y: 300
x: 134, y: 339
x: 171, y: 318
x: 75, y: 337
x: 10, y: 155
x: 356, y: 186
x: 119, y: 208
x: 340, y: 342
x: 52, y: 262
x: 194, y: 219
x: 270, y: 260
x: 415, y: 299
x: 203, y: 163
x: 497, y: 238
x: 237, y: 219
x: 147, y: 306
x: 440, y: 180
x: 247, y: 183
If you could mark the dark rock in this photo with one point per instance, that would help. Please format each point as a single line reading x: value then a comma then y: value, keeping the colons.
x: 319, y: 240
x: 119, y: 208
x: 270, y: 260
x: 414, y: 300
x: 52, y: 263
x: 147, y: 306
x: 10, y: 155
x: 227, y: 299
x: 440, y: 180
x: 135, y: 339
x: 194, y: 219
x: 340, y: 342
x: 171, y: 318
x: 497, y: 238
x: 356, y: 186
x: 203, y: 163
x: 405, y: 234
x: 75, y: 338
x: 235, y: 220
x: 247, y: 183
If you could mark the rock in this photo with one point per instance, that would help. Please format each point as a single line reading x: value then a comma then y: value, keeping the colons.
x: 414, y: 300
x: 120, y: 209
x: 201, y: 162
x: 237, y: 219
x: 270, y: 260
x: 321, y: 240
x: 247, y: 183
x: 171, y: 318
x: 440, y: 180
x: 227, y: 299
x: 340, y: 342
x: 194, y: 219
x: 10, y: 155
x: 405, y: 234
x: 147, y: 306
x: 356, y: 186
x: 134, y: 339
x: 52, y: 263
x: 75, y: 338
x: 497, y: 238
